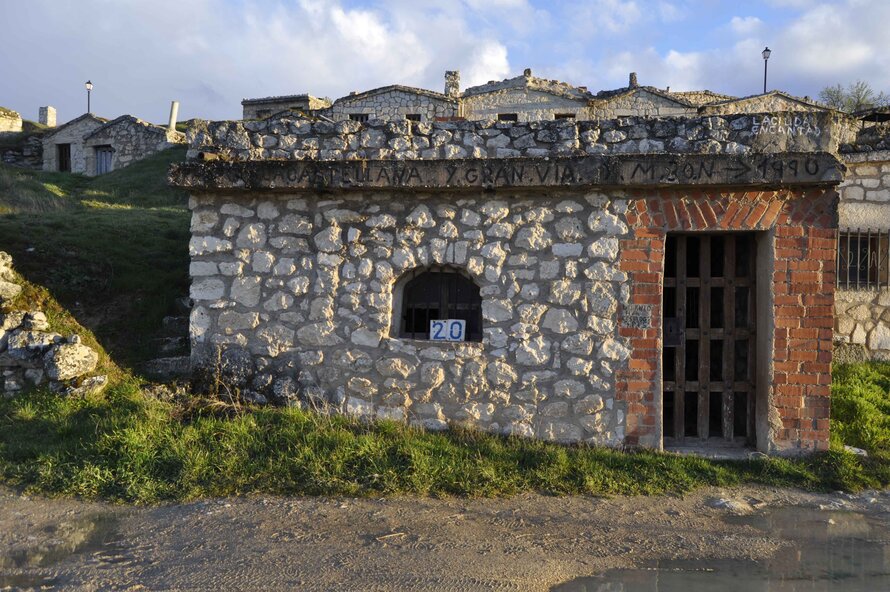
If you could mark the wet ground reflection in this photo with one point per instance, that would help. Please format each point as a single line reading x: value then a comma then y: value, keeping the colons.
x: 827, y: 551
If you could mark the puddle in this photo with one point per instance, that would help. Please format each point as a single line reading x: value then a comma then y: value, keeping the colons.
x: 826, y: 551
x: 95, y: 535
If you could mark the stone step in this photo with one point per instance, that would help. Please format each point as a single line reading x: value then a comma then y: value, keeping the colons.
x: 168, y: 368
x: 168, y: 346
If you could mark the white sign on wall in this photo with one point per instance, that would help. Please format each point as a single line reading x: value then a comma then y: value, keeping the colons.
x: 448, y: 330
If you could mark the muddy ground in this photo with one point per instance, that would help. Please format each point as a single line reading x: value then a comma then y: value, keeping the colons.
x: 527, y: 542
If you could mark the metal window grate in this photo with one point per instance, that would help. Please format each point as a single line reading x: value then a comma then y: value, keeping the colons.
x: 863, y: 258
x: 441, y: 293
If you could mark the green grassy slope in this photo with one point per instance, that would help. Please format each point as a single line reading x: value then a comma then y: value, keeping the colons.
x: 112, y: 249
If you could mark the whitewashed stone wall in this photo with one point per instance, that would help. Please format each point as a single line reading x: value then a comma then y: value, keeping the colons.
x: 393, y: 105
x: 131, y: 139
x: 304, y: 285
x: 70, y: 134
x: 639, y: 103
x: 529, y: 105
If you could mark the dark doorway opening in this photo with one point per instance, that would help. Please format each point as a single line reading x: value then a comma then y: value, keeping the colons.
x: 63, y: 156
x: 708, y: 338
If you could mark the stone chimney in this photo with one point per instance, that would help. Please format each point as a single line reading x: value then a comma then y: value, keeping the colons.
x: 47, y: 116
x: 452, y: 83
x: 527, y: 72
x: 174, y: 113
x: 632, y: 82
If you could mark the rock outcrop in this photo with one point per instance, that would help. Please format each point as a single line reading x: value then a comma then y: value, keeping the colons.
x: 31, y: 355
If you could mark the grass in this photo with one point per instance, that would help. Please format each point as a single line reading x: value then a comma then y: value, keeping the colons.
x: 112, y: 249
x: 124, y: 446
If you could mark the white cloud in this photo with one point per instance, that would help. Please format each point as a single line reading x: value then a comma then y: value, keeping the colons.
x: 747, y: 25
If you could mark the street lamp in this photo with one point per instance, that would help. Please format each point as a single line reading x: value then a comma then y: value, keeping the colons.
x: 765, y: 53
x: 89, y: 86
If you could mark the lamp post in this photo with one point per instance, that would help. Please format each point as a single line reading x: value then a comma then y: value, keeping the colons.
x: 89, y: 86
x: 765, y: 53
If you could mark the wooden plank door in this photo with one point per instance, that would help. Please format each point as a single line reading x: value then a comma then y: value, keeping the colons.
x: 708, y: 339
x: 103, y: 159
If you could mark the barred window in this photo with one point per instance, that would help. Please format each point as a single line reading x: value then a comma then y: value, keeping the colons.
x: 413, y: 117
x: 439, y: 293
x: 862, y: 259
x: 360, y: 117
x: 508, y: 117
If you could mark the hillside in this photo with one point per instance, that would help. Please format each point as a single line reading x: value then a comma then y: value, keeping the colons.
x: 112, y: 249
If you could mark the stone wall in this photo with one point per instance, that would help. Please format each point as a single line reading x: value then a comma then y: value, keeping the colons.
x: 865, y: 192
x: 527, y: 104
x: 289, y: 138
x: 393, y: 105
x: 769, y: 103
x: 639, y: 103
x: 26, y: 153
x: 131, y: 139
x: 862, y: 324
x: 10, y: 121
x: 305, y: 285
x: 862, y: 317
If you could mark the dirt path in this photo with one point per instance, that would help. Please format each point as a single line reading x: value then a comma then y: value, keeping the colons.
x: 528, y: 542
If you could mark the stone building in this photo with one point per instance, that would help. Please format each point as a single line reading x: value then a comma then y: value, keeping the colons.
x: 63, y: 147
x: 124, y: 140
x: 394, y: 103
x: 265, y: 107
x: 774, y: 101
x: 639, y: 101
x: 10, y: 121
x: 525, y: 98
x: 644, y: 282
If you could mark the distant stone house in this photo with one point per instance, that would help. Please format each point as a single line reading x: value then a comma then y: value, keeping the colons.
x: 10, y: 121
x: 267, y: 106
x: 124, y: 140
x: 639, y: 101
x: 395, y: 103
x: 774, y: 101
x: 63, y: 147
x: 525, y: 98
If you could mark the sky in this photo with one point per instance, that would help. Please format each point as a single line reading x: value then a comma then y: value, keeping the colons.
x: 210, y: 54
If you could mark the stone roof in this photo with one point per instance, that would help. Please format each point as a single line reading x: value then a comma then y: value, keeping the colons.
x: 773, y: 93
x: 279, y: 99
x: 150, y: 127
x: 84, y: 117
x: 702, y: 97
x: 397, y: 88
x: 607, y: 95
x: 528, y: 82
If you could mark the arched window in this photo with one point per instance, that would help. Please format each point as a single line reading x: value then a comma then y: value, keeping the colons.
x: 439, y: 293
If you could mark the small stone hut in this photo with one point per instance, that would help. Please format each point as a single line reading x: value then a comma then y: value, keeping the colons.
x: 123, y: 141
x: 633, y: 282
x: 10, y: 121
x: 63, y: 147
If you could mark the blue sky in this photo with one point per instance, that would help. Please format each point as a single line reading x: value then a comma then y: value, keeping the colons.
x: 209, y: 54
